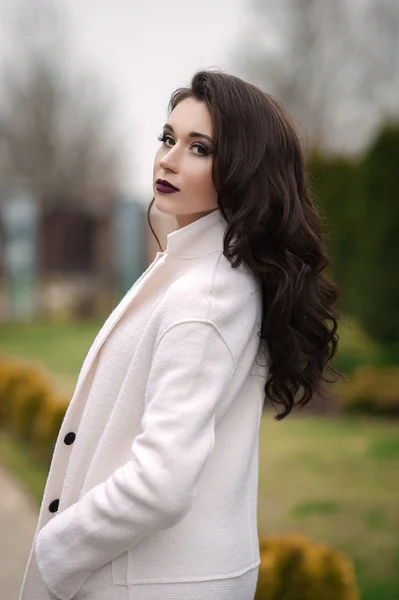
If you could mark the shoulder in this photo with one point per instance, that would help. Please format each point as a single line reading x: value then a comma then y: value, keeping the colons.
x: 210, y: 289
x: 211, y: 279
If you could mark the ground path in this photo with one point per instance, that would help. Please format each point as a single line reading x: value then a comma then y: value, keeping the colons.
x: 18, y: 519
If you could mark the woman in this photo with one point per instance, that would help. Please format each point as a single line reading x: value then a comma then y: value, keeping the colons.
x: 152, y: 490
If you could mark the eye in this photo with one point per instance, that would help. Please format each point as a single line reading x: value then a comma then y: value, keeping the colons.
x: 164, y: 138
x: 201, y: 148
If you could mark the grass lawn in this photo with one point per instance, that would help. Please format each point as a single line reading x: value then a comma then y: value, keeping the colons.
x: 336, y: 480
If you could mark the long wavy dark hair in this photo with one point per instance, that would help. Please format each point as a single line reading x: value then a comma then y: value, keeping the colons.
x: 260, y: 177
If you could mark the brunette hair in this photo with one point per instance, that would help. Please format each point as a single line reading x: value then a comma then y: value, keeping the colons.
x: 260, y: 177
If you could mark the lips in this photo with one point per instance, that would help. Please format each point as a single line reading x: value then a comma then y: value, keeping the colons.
x: 165, y: 183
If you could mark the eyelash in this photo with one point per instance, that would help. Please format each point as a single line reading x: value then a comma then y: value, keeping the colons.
x: 163, y: 138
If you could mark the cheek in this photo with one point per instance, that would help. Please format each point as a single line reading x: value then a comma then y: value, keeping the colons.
x: 202, y: 177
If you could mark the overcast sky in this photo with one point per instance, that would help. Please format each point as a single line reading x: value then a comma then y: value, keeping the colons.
x: 142, y: 51
x: 145, y: 50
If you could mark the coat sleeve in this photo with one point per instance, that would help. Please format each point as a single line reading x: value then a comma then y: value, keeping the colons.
x: 190, y: 371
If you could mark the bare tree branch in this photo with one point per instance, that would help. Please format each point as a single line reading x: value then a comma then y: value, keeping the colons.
x: 334, y: 65
x: 56, y: 131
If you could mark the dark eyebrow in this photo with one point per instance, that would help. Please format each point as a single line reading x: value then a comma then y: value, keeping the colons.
x: 191, y: 134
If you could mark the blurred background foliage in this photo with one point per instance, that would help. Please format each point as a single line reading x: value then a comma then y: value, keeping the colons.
x: 360, y: 203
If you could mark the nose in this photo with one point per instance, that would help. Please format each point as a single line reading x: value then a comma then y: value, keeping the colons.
x: 170, y: 161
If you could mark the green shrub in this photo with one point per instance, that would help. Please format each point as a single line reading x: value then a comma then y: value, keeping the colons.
x: 371, y: 390
x: 12, y: 377
x: 375, y: 230
x: 294, y: 568
x: 28, y: 398
x: 29, y: 407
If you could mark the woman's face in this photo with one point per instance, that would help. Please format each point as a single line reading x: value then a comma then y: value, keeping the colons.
x: 185, y: 161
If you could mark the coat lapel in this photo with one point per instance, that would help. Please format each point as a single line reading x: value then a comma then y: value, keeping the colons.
x: 196, y: 239
x: 114, y: 318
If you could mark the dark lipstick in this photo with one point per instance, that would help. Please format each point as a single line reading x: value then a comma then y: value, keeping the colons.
x: 165, y: 187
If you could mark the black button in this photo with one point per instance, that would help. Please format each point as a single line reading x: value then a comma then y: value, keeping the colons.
x: 53, y: 506
x: 70, y: 438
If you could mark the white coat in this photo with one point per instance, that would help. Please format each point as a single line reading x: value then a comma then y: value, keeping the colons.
x: 154, y: 475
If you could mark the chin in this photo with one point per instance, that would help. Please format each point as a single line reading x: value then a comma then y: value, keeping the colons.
x: 163, y: 206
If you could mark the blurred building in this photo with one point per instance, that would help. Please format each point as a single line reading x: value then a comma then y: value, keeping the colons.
x: 86, y: 258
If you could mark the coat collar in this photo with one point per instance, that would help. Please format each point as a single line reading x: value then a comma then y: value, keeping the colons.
x: 203, y: 236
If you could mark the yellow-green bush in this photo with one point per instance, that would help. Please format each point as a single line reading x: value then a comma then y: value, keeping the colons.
x: 294, y: 568
x: 12, y: 376
x: 372, y: 390
x: 28, y: 399
x: 29, y: 407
